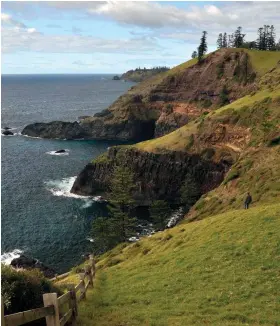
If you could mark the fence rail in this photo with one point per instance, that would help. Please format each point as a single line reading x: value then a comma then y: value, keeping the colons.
x: 53, y: 305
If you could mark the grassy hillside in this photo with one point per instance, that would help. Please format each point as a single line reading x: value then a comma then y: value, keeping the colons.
x: 223, y: 270
x: 220, y: 265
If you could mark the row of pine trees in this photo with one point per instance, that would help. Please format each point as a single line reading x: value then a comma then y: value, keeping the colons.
x: 266, y: 41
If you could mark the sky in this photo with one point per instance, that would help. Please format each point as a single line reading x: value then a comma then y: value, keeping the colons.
x: 46, y: 37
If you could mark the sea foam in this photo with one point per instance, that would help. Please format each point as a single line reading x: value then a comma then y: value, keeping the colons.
x: 7, y: 257
x: 63, y: 187
x: 59, y: 154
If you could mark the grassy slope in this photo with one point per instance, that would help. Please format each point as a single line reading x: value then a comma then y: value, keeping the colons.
x: 223, y: 270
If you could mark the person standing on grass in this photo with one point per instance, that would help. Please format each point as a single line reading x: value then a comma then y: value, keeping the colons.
x: 248, y: 201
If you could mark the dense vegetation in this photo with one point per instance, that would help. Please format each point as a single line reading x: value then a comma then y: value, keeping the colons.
x: 23, y: 289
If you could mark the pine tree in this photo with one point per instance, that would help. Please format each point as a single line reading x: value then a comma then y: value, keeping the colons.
x: 271, y: 43
x: 119, y: 225
x: 230, y: 40
x: 225, y: 43
x: 266, y: 37
x: 160, y: 211
x: 238, y: 38
x: 220, y: 41
x: 260, y: 40
x: 190, y: 191
x: 103, y: 234
x: 122, y: 186
x: 194, y: 54
x: 202, y: 49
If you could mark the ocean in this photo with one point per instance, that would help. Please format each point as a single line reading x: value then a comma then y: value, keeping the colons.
x: 39, y: 215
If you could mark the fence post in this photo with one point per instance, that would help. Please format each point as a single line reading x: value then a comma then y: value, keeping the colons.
x: 82, y: 278
x: 89, y: 275
x: 74, y: 305
x: 2, y: 312
x: 92, y: 264
x: 50, y: 299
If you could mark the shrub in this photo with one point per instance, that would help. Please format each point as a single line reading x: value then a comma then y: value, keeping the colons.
x: 23, y: 289
x: 233, y: 174
x: 224, y: 99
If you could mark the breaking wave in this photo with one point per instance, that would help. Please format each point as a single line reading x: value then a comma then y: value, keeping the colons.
x: 7, y: 257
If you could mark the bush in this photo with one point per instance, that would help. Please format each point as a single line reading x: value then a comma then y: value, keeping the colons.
x: 224, y: 99
x: 23, y: 289
x: 234, y: 174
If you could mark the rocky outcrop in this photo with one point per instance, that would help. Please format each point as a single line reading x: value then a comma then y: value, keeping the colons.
x: 30, y: 263
x: 7, y: 133
x: 55, y: 129
x: 157, y: 176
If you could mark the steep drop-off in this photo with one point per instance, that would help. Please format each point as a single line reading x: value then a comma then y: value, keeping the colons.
x: 170, y: 99
x: 157, y: 176
x: 235, y: 135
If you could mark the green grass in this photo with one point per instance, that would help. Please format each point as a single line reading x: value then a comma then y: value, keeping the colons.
x: 249, y: 100
x: 263, y: 61
x: 223, y: 270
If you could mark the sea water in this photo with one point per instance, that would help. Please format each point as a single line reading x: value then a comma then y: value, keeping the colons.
x: 40, y: 217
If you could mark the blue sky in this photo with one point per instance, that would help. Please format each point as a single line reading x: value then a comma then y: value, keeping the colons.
x: 114, y: 36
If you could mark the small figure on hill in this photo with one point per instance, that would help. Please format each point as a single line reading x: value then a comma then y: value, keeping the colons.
x: 248, y: 201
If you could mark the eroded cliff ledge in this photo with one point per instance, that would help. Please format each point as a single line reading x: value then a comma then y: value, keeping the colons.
x: 157, y: 176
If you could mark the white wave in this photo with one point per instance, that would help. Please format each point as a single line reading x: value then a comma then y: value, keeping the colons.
x: 7, y: 257
x: 88, y: 203
x: 90, y: 239
x: 59, y: 154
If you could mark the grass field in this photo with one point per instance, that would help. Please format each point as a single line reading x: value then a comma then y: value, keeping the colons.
x: 223, y: 270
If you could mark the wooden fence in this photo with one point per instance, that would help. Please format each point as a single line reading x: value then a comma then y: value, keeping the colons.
x: 54, y: 307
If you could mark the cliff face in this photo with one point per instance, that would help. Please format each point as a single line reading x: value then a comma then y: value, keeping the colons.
x: 157, y: 176
x: 164, y: 102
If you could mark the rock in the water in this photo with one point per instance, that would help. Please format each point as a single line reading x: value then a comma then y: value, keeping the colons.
x: 30, y: 263
x: 55, y: 129
x: 7, y: 132
x: 116, y: 77
x: 60, y: 151
x: 7, y: 128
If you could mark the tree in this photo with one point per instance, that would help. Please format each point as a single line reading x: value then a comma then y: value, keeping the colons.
x: 224, y: 96
x: 160, y: 211
x: 224, y: 42
x: 230, y: 40
x: 118, y: 226
x: 202, y: 49
x: 194, y: 54
x: 122, y: 202
x: 190, y: 191
x: 220, y: 41
x: 260, y: 40
x: 238, y: 38
x: 103, y: 234
x: 271, y: 43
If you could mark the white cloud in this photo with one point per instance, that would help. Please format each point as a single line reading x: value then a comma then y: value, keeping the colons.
x: 31, y: 30
x: 28, y: 39
x: 8, y: 20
